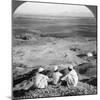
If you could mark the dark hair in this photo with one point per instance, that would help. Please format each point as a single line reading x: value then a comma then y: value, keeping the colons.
x: 43, y: 72
x: 56, y: 70
x: 69, y: 69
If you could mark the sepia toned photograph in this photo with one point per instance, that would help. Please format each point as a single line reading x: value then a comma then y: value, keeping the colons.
x: 54, y: 49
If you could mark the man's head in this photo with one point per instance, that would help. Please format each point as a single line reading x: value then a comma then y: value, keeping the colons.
x: 70, y: 67
x: 40, y: 69
x: 55, y: 68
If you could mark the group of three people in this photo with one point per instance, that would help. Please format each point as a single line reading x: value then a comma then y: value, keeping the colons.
x: 71, y: 78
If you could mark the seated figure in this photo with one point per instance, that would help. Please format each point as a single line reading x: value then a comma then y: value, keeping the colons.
x: 41, y: 80
x: 71, y: 78
x: 56, y: 75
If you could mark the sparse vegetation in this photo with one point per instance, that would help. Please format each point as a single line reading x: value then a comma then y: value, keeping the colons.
x: 52, y: 91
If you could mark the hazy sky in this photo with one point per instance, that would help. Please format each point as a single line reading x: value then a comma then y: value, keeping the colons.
x: 53, y: 9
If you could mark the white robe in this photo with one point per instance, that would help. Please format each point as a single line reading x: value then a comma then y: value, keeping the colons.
x: 71, y: 78
x: 41, y: 81
x: 56, y: 77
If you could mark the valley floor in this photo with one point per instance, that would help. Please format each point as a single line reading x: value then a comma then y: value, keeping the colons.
x: 49, y: 52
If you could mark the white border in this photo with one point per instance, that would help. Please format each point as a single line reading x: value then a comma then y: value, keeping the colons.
x: 5, y: 50
x: 86, y: 2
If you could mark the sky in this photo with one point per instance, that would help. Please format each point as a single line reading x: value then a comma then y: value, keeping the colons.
x: 32, y: 8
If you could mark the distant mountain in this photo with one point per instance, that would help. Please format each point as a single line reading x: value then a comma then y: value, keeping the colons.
x: 48, y: 16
